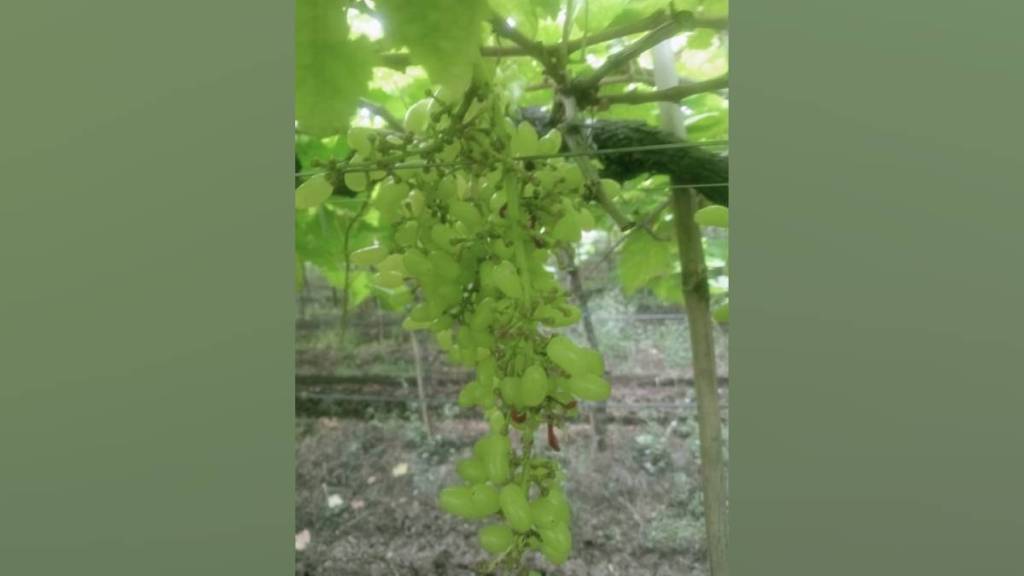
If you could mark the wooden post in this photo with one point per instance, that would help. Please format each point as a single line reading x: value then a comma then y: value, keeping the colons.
x: 419, y: 384
x: 698, y: 312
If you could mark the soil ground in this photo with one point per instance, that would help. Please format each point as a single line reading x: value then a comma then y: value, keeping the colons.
x: 636, y: 506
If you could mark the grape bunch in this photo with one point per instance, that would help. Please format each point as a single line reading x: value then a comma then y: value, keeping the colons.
x: 472, y: 206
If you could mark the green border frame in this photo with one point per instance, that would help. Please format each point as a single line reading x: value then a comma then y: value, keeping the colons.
x: 146, y: 316
x: 876, y: 281
x: 146, y: 409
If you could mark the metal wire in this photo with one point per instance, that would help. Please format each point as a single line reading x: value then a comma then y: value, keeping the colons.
x: 373, y: 167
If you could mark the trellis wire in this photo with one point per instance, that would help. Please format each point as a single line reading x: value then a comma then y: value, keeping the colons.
x: 373, y: 167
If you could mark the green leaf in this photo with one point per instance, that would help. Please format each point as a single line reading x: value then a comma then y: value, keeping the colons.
x: 546, y: 8
x: 709, y: 126
x: 313, y: 192
x: 605, y: 13
x: 523, y: 13
x: 443, y: 36
x: 721, y: 314
x: 331, y: 71
x: 642, y: 259
x: 600, y: 13
x: 669, y: 289
x: 714, y: 8
x: 712, y: 216
x: 700, y: 39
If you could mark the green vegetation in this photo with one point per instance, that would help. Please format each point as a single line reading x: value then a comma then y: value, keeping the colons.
x: 450, y: 150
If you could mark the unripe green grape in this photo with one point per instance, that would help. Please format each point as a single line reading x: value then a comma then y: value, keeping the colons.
x: 465, y: 340
x: 468, y: 266
x: 400, y: 297
x: 496, y: 538
x: 417, y: 203
x: 593, y: 361
x: 544, y: 281
x: 457, y: 500
x: 539, y: 257
x: 586, y: 219
x: 407, y: 234
x: 486, y: 398
x: 443, y: 321
x: 388, y: 201
x: 508, y: 126
x: 493, y: 451
x: 443, y: 265
x: 544, y: 513
x: 356, y: 181
x: 515, y: 507
x: 497, y: 201
x: 444, y: 339
x: 610, y: 187
x: 556, y: 543
x: 496, y: 421
x: 393, y: 263
x: 468, y: 215
x: 470, y: 395
x: 410, y: 324
x: 573, y: 177
x: 533, y: 386
x: 417, y: 264
x: 546, y: 178
x: 471, y: 470
x: 423, y: 312
x: 368, y: 256
x: 450, y: 152
x: 417, y: 117
x: 485, y: 369
x: 447, y: 188
x: 557, y: 317
x: 360, y: 139
x: 524, y: 141
x: 589, y: 387
x: 551, y: 143
x: 561, y: 504
x: 566, y: 355
x: 484, y: 339
x: 510, y: 391
x: 483, y: 315
x: 507, y: 280
x: 313, y: 192
x: 441, y: 237
x: 501, y: 249
x: 560, y: 392
x: 388, y: 279
x: 485, y: 499
x: 567, y: 229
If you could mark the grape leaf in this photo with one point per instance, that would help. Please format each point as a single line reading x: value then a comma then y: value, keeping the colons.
x: 721, y: 313
x: 443, y: 36
x: 331, y: 71
x: 642, y: 259
x: 669, y: 289
x: 524, y: 14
